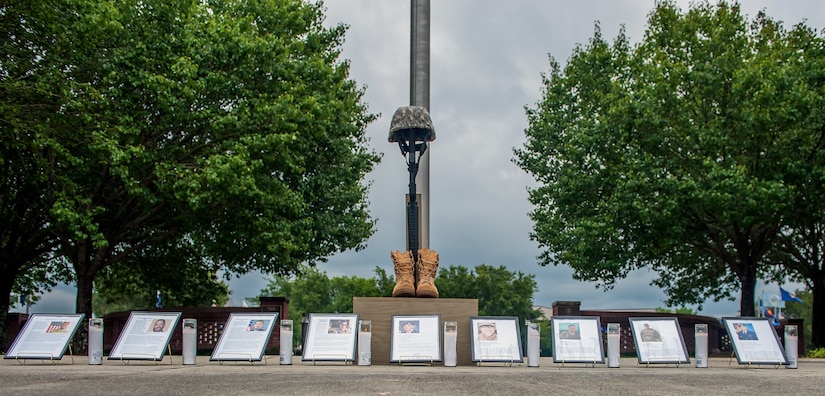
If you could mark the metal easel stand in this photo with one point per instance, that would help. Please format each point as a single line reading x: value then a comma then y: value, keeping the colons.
x: 250, y: 360
x: 415, y: 361
x: 497, y: 358
x: 50, y: 359
x: 317, y: 358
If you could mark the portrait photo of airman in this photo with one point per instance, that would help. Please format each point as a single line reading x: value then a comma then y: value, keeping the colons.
x: 649, y: 334
x: 339, y: 326
x: 158, y: 326
x: 408, y: 327
x: 487, y: 331
x: 569, y: 331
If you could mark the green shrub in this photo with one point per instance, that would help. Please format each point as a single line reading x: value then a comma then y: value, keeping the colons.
x: 817, y: 353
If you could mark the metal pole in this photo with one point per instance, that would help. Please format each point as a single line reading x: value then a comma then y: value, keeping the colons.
x: 420, y: 96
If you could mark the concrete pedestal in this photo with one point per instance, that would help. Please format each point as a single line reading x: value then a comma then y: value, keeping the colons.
x: 381, y: 309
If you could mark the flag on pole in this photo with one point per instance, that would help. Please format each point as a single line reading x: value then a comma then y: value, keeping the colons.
x: 771, y: 317
x: 786, y: 296
x: 773, y: 300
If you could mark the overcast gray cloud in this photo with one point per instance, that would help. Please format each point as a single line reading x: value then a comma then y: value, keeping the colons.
x: 487, y: 58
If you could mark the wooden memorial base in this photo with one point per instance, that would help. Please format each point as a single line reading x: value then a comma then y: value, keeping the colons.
x: 381, y: 309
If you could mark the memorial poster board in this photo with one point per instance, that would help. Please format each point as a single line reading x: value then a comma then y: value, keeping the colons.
x: 245, y: 337
x: 659, y: 340
x: 755, y: 341
x: 415, y: 338
x: 146, y: 336
x: 45, y: 336
x: 495, y: 339
x: 577, y: 339
x: 330, y: 337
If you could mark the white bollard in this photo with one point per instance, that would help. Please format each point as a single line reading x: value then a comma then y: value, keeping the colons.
x: 791, y: 345
x: 96, y: 341
x: 700, y: 339
x: 450, y: 338
x: 614, y: 338
x: 190, y: 341
x: 533, y: 344
x: 364, y: 342
x: 286, y: 342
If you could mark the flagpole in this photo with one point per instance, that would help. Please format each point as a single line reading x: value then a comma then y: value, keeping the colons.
x: 762, y: 302
x: 782, y: 302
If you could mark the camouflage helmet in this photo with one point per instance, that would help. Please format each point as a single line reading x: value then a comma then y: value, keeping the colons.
x: 415, y: 119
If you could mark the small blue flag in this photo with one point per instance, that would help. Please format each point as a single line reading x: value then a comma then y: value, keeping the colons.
x: 788, y: 296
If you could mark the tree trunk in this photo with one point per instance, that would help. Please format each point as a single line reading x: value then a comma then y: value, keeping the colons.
x: 5, y: 296
x: 746, y: 293
x: 85, y: 268
x: 83, y: 305
x: 818, y: 314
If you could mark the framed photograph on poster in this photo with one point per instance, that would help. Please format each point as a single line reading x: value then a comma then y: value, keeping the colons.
x: 415, y: 338
x: 145, y: 337
x: 577, y: 339
x: 245, y: 337
x: 495, y: 339
x: 45, y: 336
x: 330, y: 337
x: 755, y: 341
x: 659, y: 340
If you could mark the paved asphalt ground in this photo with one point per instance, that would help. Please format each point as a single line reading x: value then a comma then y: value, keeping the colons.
x: 722, y: 377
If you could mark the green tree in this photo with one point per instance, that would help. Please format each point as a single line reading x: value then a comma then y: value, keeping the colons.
x: 801, y: 251
x: 545, y: 338
x: 312, y: 291
x: 678, y: 310
x: 345, y: 288
x: 228, y: 125
x: 500, y: 292
x: 31, y: 80
x: 680, y: 154
x: 182, y: 280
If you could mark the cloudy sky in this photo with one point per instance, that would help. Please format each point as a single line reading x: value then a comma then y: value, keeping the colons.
x: 486, y: 62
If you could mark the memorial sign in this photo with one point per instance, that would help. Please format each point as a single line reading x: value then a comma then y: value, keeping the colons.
x: 659, y: 340
x: 495, y: 339
x: 330, y: 337
x: 415, y: 338
x: 146, y: 336
x: 755, y: 341
x: 577, y: 339
x: 45, y: 336
x: 245, y: 336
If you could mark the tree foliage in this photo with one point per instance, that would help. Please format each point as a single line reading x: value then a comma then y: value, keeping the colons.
x: 680, y: 154
x: 181, y: 279
x: 801, y: 242
x: 31, y: 80
x: 313, y: 291
x: 500, y: 292
x: 224, y: 124
x: 229, y: 125
x: 801, y: 252
x: 678, y: 310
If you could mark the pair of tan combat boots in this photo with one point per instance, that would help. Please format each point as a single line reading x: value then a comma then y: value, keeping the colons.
x: 405, y: 285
